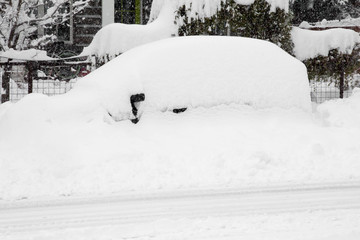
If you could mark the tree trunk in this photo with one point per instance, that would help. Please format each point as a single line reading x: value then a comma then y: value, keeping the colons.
x: 11, y: 42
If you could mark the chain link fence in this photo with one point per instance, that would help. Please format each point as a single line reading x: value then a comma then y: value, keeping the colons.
x: 17, y: 79
x: 322, y: 91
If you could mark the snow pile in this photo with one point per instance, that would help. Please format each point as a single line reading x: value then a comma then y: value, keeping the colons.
x: 30, y: 54
x: 310, y: 44
x: 4, y: 107
x: 188, y: 72
x: 117, y: 38
x: 305, y: 25
x: 343, y: 112
x: 207, y: 8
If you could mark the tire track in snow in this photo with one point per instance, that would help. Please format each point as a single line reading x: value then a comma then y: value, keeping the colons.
x: 125, y: 209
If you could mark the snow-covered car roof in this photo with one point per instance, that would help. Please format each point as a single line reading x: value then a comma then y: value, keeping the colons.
x: 188, y: 72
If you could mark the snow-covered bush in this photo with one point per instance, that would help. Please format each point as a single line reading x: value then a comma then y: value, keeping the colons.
x: 336, y: 67
x: 259, y: 19
x: 330, y: 54
x: 115, y: 39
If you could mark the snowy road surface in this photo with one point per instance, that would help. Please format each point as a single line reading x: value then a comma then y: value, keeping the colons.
x: 25, y: 217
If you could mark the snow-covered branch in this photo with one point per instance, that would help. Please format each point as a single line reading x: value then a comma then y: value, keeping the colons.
x: 20, y: 19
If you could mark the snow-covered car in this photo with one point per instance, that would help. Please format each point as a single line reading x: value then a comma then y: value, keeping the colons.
x: 179, y: 73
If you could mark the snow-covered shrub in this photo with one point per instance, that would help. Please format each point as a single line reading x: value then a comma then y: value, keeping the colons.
x: 259, y: 19
x: 337, y: 67
x: 115, y: 39
x: 330, y: 54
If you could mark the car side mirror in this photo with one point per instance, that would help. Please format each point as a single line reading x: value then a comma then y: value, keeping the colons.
x: 135, y: 101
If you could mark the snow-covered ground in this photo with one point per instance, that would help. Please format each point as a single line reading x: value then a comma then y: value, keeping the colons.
x: 302, y: 212
x: 223, y: 146
x: 333, y: 225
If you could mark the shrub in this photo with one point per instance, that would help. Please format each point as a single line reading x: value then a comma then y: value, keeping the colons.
x: 254, y: 21
x: 337, y: 67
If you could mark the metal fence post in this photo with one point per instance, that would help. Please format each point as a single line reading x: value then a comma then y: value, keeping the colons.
x: 6, y: 84
x: 29, y: 77
x: 342, y: 82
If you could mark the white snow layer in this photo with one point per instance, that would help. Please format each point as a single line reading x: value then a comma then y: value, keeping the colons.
x: 188, y: 72
x: 30, y: 54
x: 207, y: 8
x: 310, y: 44
x: 347, y: 22
x: 336, y: 113
x: 117, y: 38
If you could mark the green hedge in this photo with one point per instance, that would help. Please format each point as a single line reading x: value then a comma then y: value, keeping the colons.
x: 254, y: 21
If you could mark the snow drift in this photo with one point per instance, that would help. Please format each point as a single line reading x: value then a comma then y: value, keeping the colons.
x: 343, y: 112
